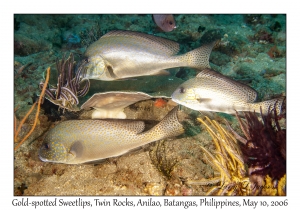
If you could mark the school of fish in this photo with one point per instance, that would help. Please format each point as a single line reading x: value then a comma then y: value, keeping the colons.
x: 125, y: 54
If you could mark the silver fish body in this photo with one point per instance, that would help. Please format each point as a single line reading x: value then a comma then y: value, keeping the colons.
x: 212, y: 91
x: 125, y: 54
x: 81, y: 141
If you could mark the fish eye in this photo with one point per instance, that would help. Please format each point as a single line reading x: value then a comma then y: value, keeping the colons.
x: 181, y: 90
x: 46, y: 146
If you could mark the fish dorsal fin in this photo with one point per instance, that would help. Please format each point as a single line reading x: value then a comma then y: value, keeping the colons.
x: 209, y: 73
x: 157, y: 44
x: 162, y: 72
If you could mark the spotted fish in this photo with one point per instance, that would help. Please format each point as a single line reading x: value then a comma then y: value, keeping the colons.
x: 125, y: 54
x: 212, y: 91
x: 81, y: 141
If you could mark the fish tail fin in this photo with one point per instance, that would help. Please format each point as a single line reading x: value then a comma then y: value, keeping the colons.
x: 199, y: 57
x: 169, y: 126
x: 268, y: 105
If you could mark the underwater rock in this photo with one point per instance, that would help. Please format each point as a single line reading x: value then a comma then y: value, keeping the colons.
x: 51, y: 110
x: 72, y: 39
x: 253, y: 19
x: 24, y: 46
x: 154, y: 188
x: 276, y: 26
x: 263, y: 36
x: 212, y: 35
x: 16, y: 24
x: 201, y: 29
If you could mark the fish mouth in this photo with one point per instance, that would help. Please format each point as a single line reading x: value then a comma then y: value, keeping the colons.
x: 42, y: 158
x: 173, y: 96
x: 176, y: 101
x: 176, y: 98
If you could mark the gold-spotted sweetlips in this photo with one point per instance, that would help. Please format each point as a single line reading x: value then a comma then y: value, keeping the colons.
x: 81, y: 141
x: 212, y: 91
x: 125, y: 54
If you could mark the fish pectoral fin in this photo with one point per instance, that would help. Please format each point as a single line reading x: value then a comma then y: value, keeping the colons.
x: 162, y: 72
x: 76, y: 150
x: 203, y: 100
x: 126, y: 79
x: 110, y: 70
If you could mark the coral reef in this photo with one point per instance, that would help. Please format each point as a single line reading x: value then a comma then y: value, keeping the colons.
x: 274, y: 52
x: 227, y: 159
x: 87, y: 37
x: 257, y: 166
x: 158, y: 157
x: 269, y: 188
x: 253, y: 19
x: 264, y: 147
